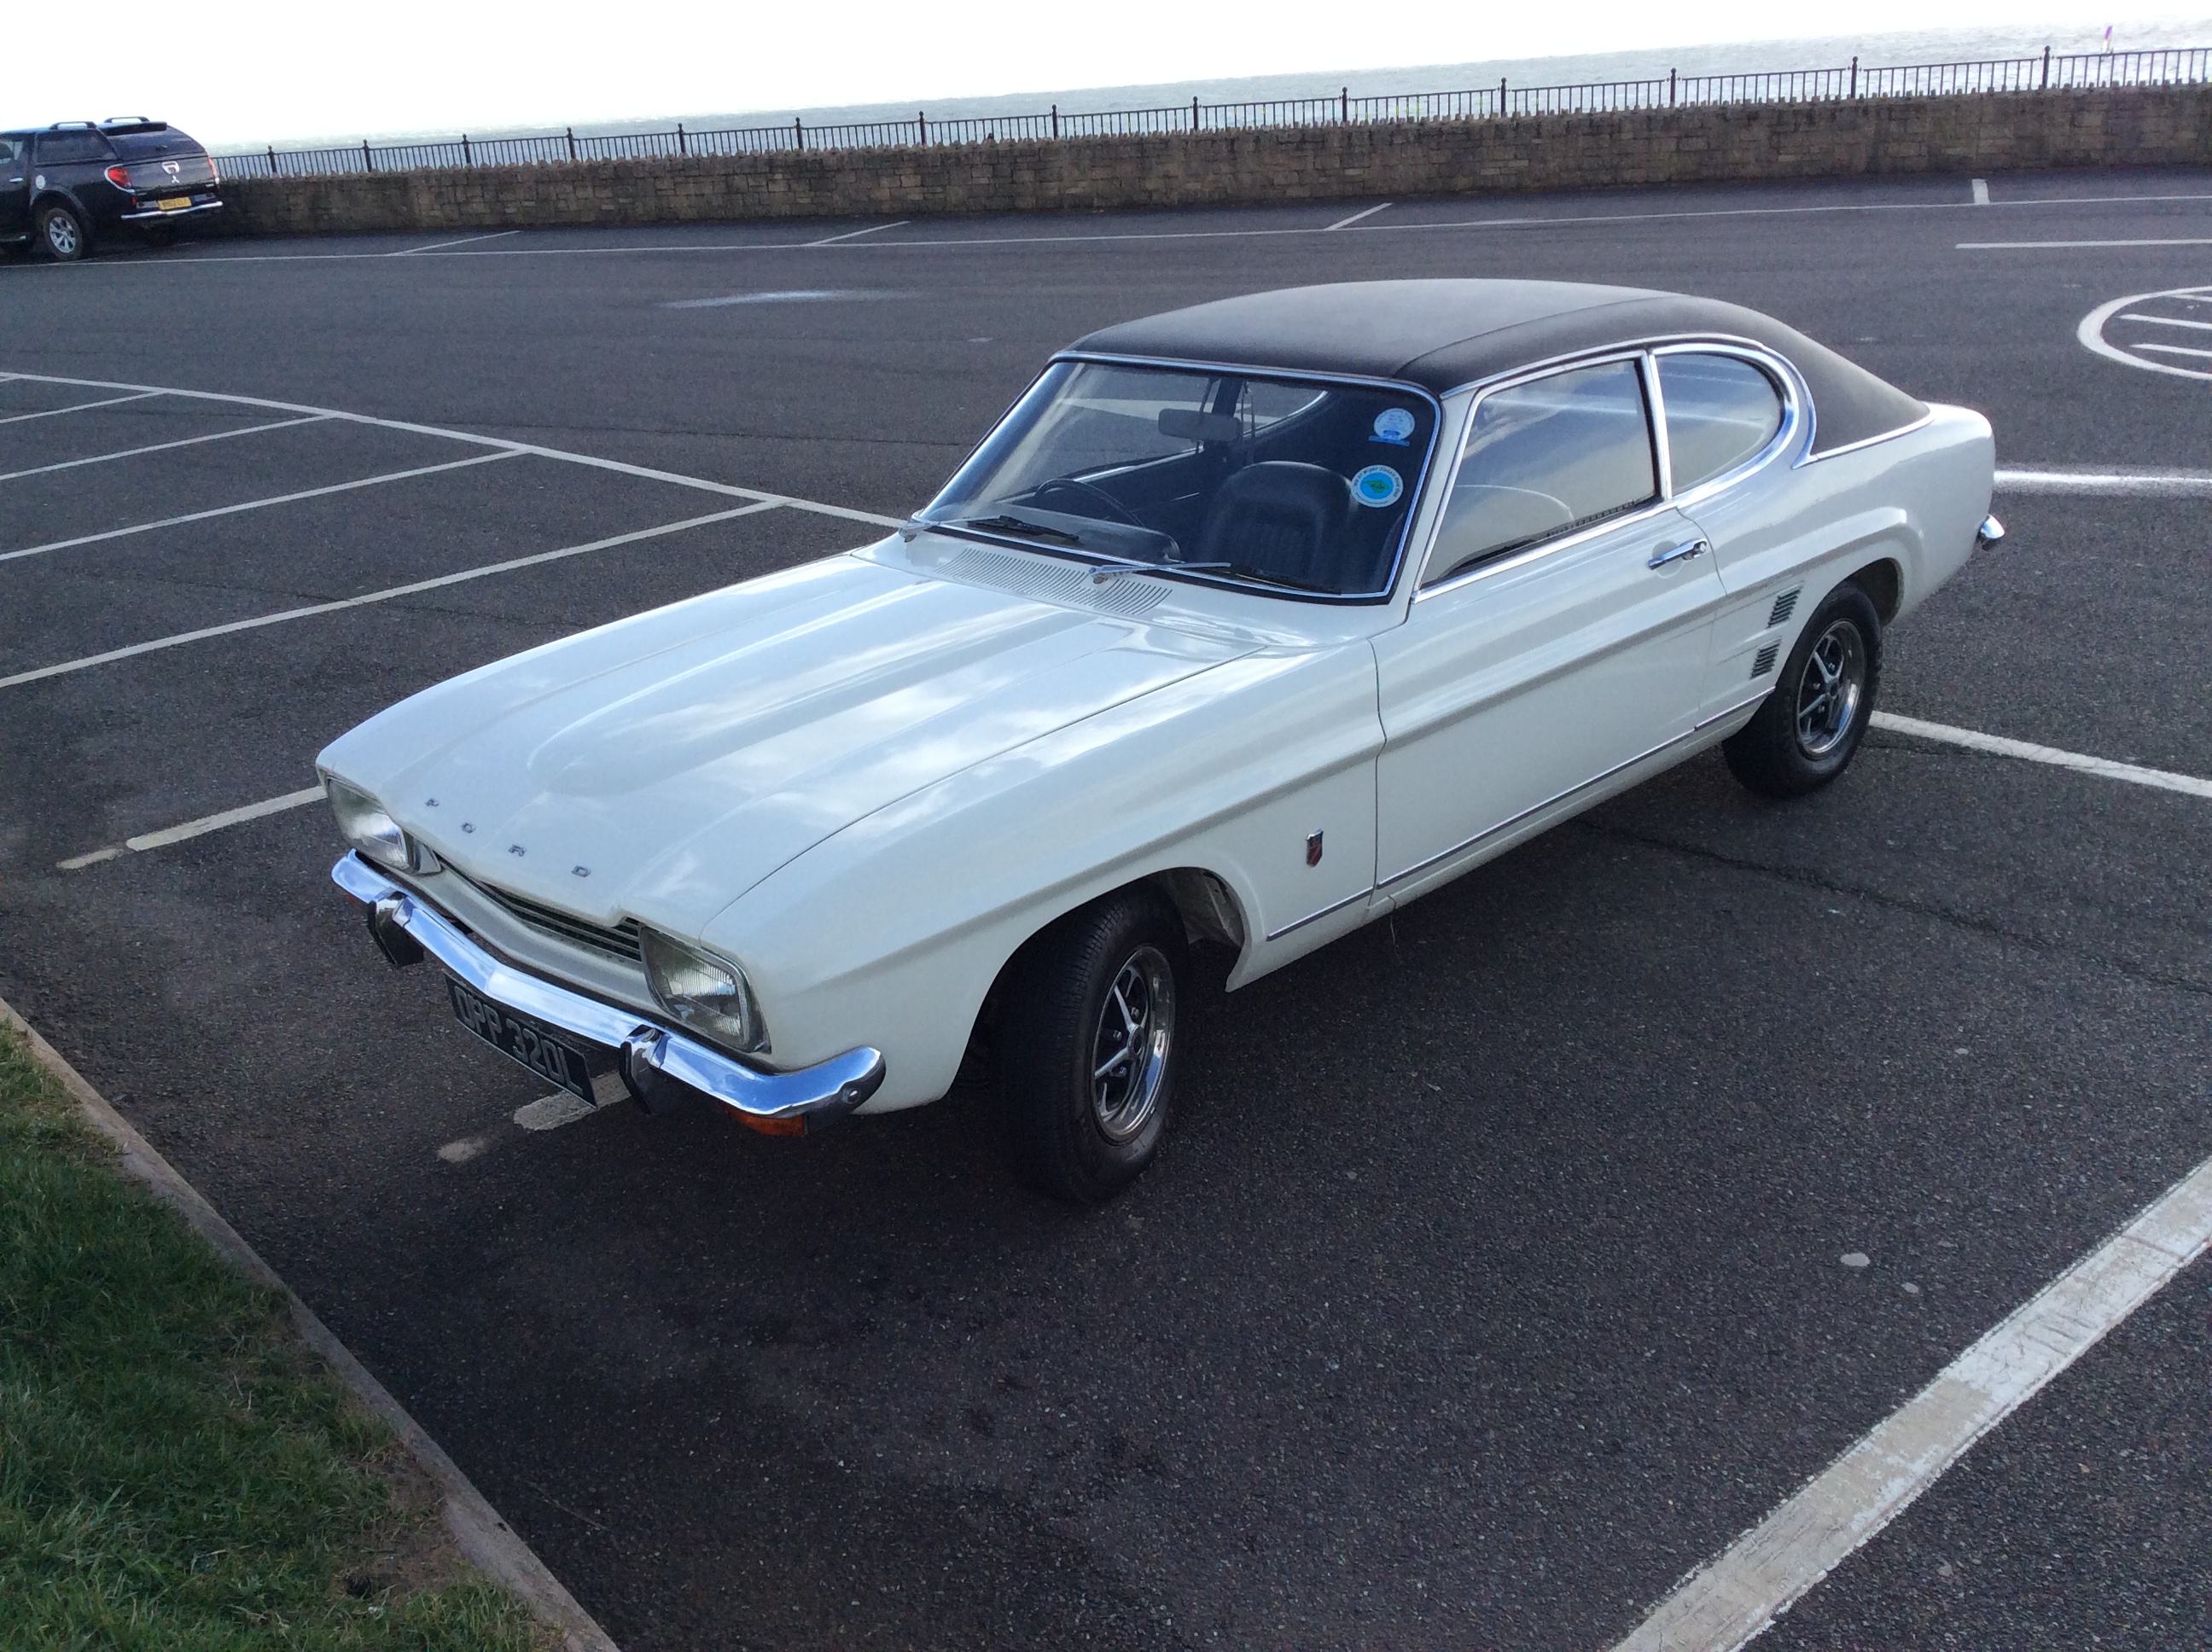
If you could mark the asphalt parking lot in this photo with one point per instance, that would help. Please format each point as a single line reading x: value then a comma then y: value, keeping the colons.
x: 1492, y: 1280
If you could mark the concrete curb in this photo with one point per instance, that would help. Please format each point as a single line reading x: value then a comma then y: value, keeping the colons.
x: 488, y: 1541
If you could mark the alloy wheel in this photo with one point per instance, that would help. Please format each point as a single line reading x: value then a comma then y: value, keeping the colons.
x: 1129, y: 1046
x: 1830, y: 688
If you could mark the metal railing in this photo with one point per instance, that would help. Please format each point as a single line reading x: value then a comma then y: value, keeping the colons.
x: 2172, y: 67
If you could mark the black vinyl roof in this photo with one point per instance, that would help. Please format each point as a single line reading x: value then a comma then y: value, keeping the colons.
x: 1443, y: 334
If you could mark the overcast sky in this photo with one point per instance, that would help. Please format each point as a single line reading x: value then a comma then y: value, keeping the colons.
x: 263, y: 69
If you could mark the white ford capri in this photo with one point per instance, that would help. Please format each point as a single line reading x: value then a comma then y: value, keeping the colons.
x: 1246, y: 624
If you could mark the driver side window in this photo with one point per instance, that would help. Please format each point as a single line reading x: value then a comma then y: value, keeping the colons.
x: 1544, y: 459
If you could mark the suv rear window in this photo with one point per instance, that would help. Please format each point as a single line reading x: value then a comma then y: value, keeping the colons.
x: 59, y: 149
x: 153, y: 146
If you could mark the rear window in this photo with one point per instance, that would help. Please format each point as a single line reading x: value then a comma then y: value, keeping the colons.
x: 154, y: 146
x: 59, y: 148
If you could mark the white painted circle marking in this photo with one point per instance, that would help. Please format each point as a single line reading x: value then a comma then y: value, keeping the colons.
x: 2169, y: 332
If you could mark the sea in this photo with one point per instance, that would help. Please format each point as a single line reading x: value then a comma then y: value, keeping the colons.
x: 1743, y: 57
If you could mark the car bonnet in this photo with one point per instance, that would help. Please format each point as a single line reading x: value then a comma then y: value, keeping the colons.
x: 661, y: 766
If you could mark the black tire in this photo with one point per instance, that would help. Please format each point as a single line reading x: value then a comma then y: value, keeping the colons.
x: 63, y: 233
x: 1073, y: 1128
x: 1809, y: 728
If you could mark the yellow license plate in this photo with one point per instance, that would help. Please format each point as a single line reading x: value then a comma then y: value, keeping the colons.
x: 174, y: 202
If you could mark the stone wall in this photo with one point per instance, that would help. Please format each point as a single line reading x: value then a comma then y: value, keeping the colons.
x: 1980, y: 134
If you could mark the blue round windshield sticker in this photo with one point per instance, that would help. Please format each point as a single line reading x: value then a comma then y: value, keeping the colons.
x: 1393, y: 425
x: 1377, y: 485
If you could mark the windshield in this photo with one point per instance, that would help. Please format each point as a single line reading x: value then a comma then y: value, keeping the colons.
x: 1286, y: 485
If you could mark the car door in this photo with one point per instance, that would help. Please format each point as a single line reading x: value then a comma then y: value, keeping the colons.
x: 1560, y: 630
x: 15, y: 188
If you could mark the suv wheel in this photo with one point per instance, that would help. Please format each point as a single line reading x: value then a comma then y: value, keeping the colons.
x: 63, y: 233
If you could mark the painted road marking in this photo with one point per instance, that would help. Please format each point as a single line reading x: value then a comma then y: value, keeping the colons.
x: 1740, y: 1592
x: 192, y: 828
x: 2095, y: 331
x: 552, y: 1112
x: 2149, y: 484
x: 794, y: 295
x: 1981, y: 192
x: 250, y: 505
x: 854, y: 235
x: 1562, y: 220
x: 81, y: 407
x: 390, y: 593
x: 2035, y: 246
x: 1346, y: 223
x: 2028, y: 751
x: 502, y: 443
x: 162, y: 447
x: 440, y: 247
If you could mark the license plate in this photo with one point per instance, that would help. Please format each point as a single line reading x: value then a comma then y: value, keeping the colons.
x: 522, y: 1040
x: 173, y: 202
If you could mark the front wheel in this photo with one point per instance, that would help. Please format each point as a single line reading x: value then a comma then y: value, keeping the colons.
x: 63, y: 233
x: 1809, y: 728
x: 1088, y: 1045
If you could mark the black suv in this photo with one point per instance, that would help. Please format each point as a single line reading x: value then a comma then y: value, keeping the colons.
x: 67, y: 185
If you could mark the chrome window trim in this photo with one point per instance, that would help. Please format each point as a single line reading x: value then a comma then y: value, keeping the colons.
x: 1415, y: 492
x: 1798, y: 407
x: 1636, y: 353
x: 1795, y: 404
x: 1863, y: 442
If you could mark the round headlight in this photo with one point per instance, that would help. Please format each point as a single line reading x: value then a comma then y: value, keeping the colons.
x: 708, y: 994
x: 373, y: 834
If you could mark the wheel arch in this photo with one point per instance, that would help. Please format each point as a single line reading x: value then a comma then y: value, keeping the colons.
x: 1883, y: 581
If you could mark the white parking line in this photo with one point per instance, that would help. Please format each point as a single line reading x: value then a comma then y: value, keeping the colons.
x: 2177, y: 350
x: 40, y: 673
x: 192, y: 828
x: 164, y: 446
x: 674, y: 478
x: 855, y: 234
x: 2149, y: 483
x: 1740, y: 1592
x: 81, y: 407
x: 1346, y: 223
x: 440, y: 247
x: 2028, y: 751
x: 2033, y: 246
x: 1981, y: 192
x: 250, y: 505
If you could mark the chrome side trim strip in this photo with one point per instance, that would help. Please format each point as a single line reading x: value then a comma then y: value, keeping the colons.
x: 816, y: 1095
x: 1315, y: 917
x: 1723, y: 715
x: 1539, y: 808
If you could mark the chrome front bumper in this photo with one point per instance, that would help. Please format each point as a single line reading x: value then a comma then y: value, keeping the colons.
x: 650, y: 1057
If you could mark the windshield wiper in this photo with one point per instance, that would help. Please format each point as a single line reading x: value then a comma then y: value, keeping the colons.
x: 1105, y: 571
x: 1015, y: 526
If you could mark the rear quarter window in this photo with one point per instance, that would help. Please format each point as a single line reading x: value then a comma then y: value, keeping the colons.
x: 60, y: 148
x: 1720, y: 410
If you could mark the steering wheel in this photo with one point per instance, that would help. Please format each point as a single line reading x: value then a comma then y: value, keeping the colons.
x: 1041, y: 498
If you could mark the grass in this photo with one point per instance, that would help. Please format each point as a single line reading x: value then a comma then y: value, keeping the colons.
x: 177, y: 1469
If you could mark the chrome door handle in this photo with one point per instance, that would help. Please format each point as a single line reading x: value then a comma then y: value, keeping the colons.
x: 1681, y: 553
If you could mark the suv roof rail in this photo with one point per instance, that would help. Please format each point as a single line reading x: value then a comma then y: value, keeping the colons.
x: 132, y: 124
x: 72, y: 126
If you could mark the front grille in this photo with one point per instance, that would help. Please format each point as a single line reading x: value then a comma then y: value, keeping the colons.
x: 1764, y: 662
x: 620, y: 942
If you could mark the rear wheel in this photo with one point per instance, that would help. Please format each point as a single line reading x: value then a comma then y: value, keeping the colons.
x: 1088, y: 1045
x: 63, y: 233
x: 1809, y: 728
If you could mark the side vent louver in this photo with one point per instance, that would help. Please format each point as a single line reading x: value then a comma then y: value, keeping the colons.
x: 1764, y: 663
x: 1784, y: 605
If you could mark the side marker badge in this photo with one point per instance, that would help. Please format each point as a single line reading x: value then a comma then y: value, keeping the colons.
x: 1313, y: 849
